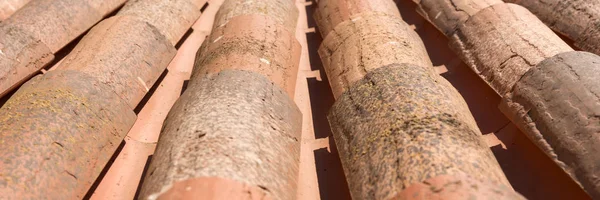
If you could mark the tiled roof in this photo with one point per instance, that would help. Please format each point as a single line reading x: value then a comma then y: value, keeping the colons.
x: 295, y: 99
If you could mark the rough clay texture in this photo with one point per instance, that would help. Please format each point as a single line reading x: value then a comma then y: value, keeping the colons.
x: 333, y: 12
x: 577, y: 19
x: 8, y: 7
x: 91, y: 93
x: 457, y: 187
x: 253, y: 43
x: 172, y: 18
x: 214, y: 188
x: 282, y: 11
x: 47, y: 20
x: 106, y: 7
x: 21, y: 55
x: 557, y: 105
x: 234, y: 124
x: 502, y: 42
x: 545, y: 92
x: 414, y: 132
x: 41, y: 28
x: 124, y: 53
x: 57, y: 133
x: 447, y: 15
x: 356, y: 47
